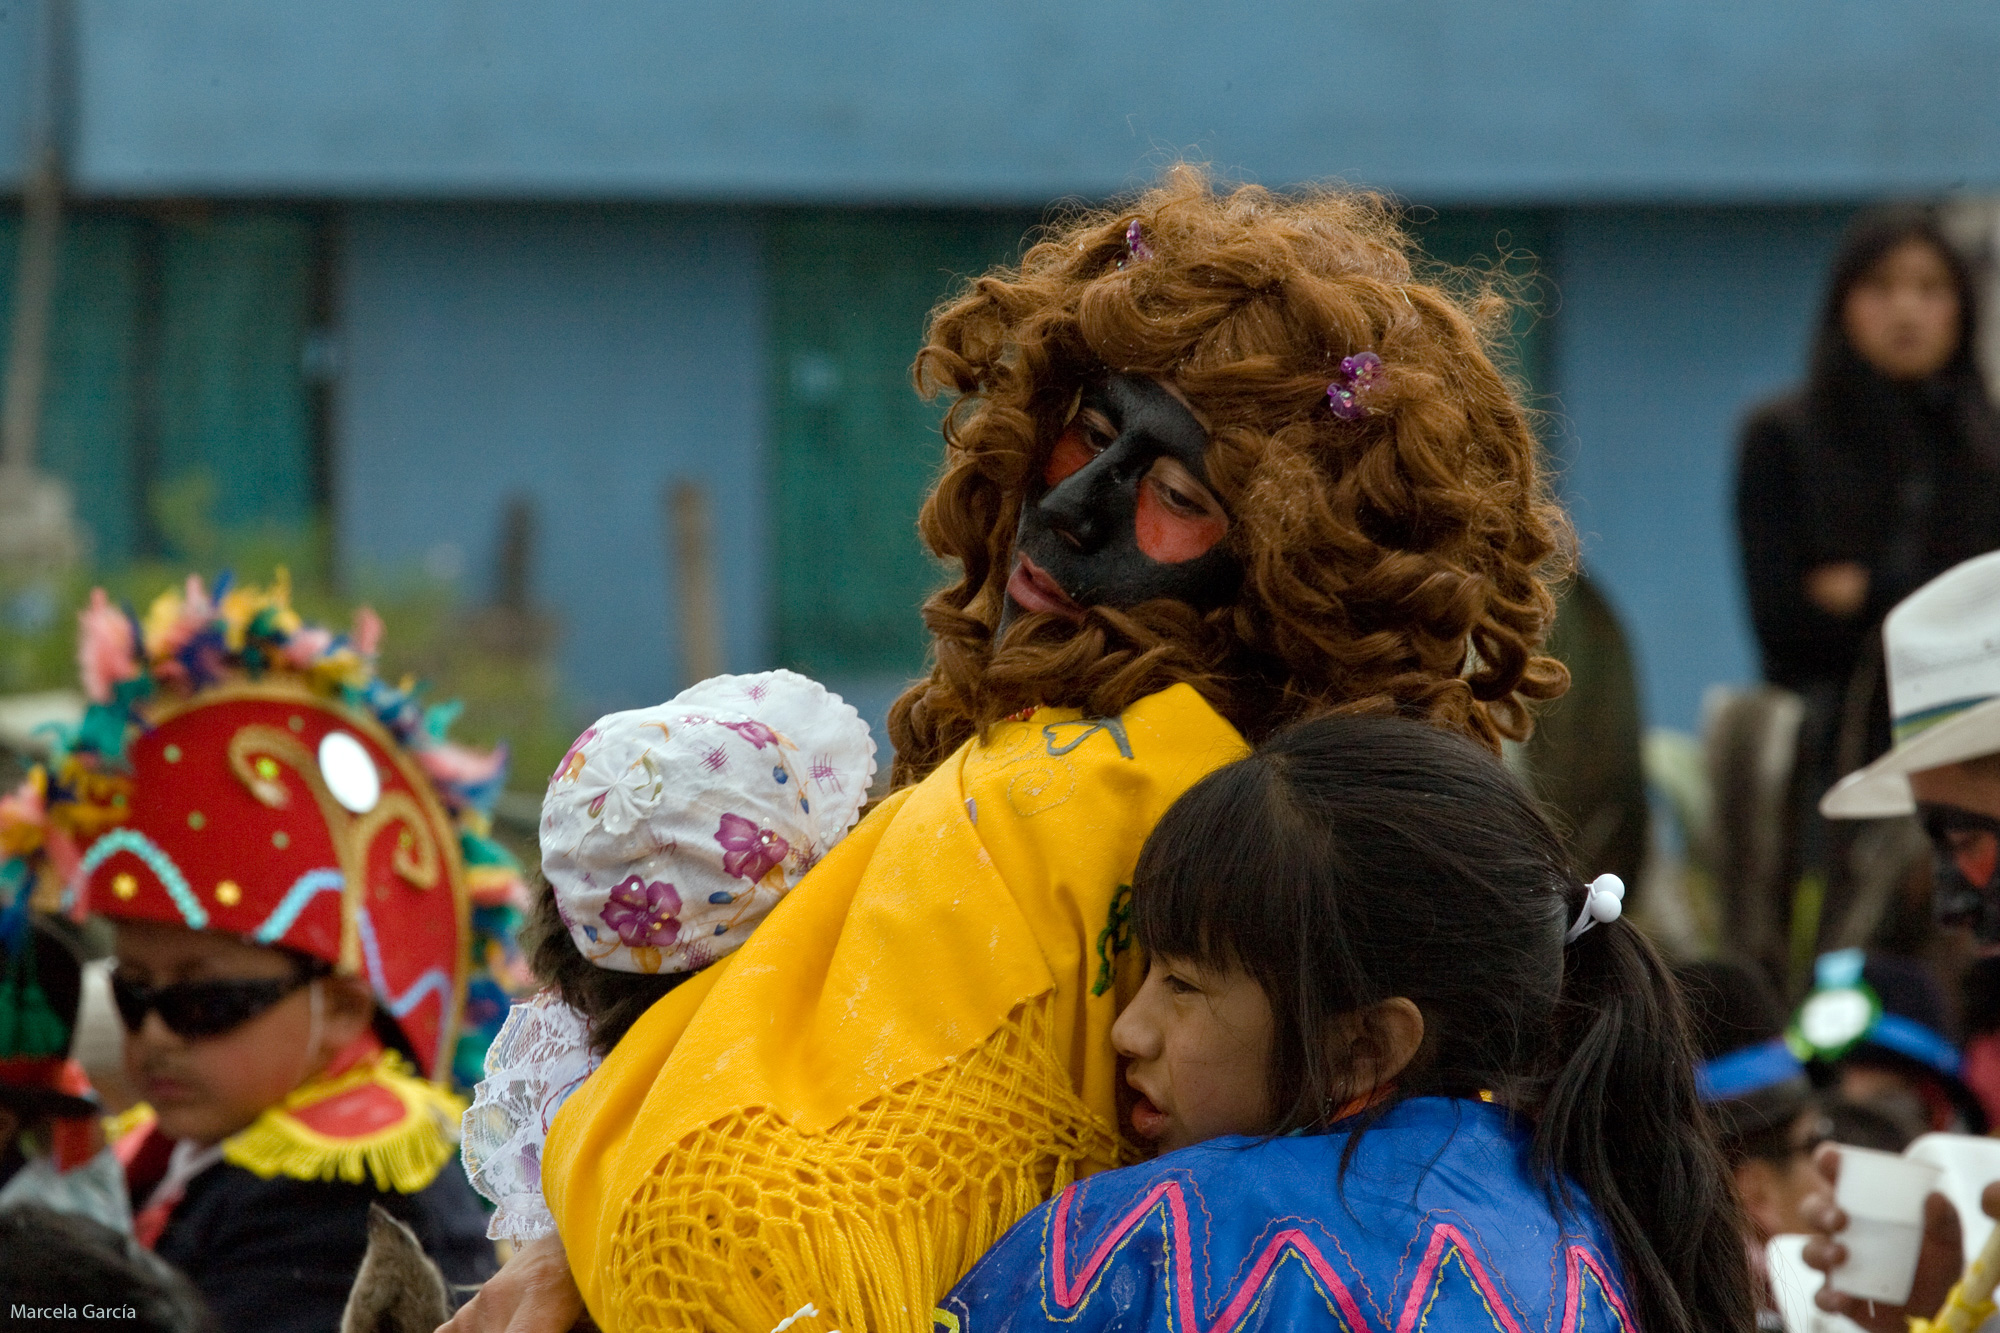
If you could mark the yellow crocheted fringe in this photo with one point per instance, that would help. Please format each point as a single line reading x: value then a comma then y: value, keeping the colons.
x: 747, y: 1220
x: 404, y: 1157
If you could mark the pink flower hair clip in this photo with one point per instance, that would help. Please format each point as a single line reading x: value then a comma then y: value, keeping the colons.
x: 1361, y: 375
x: 1136, y: 248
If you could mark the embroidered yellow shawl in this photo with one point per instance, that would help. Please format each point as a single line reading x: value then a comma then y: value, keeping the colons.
x: 911, y: 1052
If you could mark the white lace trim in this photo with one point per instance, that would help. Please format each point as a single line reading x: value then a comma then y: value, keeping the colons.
x: 541, y: 1056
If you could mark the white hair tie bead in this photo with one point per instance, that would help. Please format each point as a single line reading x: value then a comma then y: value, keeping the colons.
x: 1603, y: 900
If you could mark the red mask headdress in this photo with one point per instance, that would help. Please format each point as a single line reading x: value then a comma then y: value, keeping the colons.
x: 241, y: 770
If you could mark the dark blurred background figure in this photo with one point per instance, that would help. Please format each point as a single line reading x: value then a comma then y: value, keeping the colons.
x: 1878, y: 473
x: 1979, y: 1016
x: 1762, y: 1102
x: 1860, y: 1125
x: 1584, y: 759
x: 1883, y: 469
x: 52, y: 1148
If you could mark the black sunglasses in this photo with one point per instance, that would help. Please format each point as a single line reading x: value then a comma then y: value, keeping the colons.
x: 203, y: 1008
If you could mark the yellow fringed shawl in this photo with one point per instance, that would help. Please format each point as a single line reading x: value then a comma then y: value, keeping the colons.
x: 911, y: 1052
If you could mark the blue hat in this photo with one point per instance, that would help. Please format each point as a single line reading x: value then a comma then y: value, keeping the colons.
x: 1878, y: 1008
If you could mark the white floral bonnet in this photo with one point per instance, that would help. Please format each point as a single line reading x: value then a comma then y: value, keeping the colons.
x: 668, y: 832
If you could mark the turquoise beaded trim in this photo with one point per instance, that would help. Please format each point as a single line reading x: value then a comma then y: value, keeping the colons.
x: 157, y: 861
x: 304, y: 889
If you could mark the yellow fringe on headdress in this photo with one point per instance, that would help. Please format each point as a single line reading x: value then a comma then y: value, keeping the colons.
x: 911, y: 1052
x: 403, y: 1157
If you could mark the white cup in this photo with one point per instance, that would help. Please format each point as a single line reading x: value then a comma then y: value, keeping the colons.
x: 1883, y: 1197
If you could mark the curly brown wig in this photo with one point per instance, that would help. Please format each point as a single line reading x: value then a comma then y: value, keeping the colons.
x: 1399, y: 563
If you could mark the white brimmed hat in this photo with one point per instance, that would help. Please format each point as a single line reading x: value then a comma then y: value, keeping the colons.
x: 1943, y: 647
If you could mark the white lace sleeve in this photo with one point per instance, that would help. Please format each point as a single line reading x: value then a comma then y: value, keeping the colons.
x: 541, y: 1056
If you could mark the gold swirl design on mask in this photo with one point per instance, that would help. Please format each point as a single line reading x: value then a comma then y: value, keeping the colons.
x: 257, y: 752
x: 416, y: 854
x: 254, y: 756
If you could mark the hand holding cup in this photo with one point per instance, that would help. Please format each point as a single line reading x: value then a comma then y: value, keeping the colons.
x: 1940, y: 1254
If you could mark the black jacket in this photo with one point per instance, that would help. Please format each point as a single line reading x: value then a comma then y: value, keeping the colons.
x: 279, y: 1255
x: 1907, y: 485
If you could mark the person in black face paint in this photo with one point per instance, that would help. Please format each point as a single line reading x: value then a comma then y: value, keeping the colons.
x: 1942, y: 645
x: 1123, y: 513
x: 1160, y: 469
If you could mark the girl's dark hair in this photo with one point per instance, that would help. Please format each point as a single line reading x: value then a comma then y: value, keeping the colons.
x: 612, y: 1001
x: 1350, y: 860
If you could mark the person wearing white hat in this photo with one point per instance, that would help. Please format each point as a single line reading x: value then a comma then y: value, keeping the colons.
x: 1942, y: 644
x: 1943, y: 648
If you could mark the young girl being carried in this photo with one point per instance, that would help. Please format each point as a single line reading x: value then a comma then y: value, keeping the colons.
x: 1402, y: 1082
x: 667, y: 834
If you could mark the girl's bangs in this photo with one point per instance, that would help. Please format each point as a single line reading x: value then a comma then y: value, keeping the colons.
x: 1203, y: 887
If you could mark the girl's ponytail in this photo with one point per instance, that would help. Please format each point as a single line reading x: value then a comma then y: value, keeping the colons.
x: 1622, y: 1121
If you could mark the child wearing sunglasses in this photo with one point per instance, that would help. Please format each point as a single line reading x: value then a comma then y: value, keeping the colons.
x: 1405, y: 1069
x: 288, y: 851
x: 668, y: 833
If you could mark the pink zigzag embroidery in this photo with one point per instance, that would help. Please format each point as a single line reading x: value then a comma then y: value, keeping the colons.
x: 1445, y: 1238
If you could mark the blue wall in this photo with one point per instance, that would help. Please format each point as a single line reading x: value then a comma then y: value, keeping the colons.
x: 589, y: 359
x: 913, y: 101
x: 18, y: 19
x: 1672, y: 323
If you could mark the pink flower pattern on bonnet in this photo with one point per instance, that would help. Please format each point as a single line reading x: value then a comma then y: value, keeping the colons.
x: 643, y: 913
x: 702, y: 812
x: 749, y: 852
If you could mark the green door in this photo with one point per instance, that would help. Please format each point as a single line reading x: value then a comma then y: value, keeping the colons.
x: 235, y: 301
x: 174, y: 359
x: 854, y: 448
x: 88, y: 424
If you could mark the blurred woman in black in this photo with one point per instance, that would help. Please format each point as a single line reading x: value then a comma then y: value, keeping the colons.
x: 1880, y: 472
x: 1884, y: 469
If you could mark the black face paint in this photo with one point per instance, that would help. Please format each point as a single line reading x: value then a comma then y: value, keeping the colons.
x: 1122, y: 513
x: 1960, y: 839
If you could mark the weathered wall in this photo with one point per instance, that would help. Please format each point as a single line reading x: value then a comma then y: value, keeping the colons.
x: 589, y: 359
x: 903, y: 101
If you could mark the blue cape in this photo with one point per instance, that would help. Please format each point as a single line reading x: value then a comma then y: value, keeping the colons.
x: 1438, y: 1226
